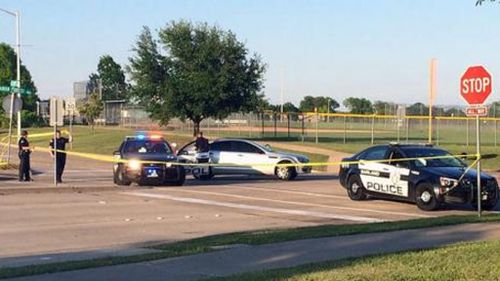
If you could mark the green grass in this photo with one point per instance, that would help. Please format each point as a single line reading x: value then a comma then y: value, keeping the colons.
x: 206, y: 244
x: 466, y: 261
x: 100, y: 141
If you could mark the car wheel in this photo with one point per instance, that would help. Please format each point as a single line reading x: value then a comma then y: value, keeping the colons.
x: 119, y: 177
x: 426, y: 198
x: 355, y: 189
x: 285, y: 173
x: 182, y: 177
x: 489, y: 204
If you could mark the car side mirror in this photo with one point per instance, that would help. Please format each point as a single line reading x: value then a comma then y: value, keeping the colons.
x: 268, y: 146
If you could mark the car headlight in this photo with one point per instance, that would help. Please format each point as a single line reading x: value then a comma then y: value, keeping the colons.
x: 448, y: 182
x: 134, y: 165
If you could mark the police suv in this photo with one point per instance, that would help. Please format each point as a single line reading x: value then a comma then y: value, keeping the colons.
x: 427, y: 182
x: 147, y: 159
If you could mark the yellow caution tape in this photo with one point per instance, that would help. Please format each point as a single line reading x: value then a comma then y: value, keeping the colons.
x: 112, y: 159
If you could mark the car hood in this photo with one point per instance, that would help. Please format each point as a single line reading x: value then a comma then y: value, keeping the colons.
x: 455, y: 173
x: 150, y: 157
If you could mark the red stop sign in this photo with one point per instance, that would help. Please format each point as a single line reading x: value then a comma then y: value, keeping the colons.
x: 475, y: 85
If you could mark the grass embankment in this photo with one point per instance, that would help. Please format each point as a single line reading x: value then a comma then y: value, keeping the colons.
x: 471, y: 261
x: 206, y: 244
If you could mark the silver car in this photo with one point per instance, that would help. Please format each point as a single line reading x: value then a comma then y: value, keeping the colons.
x: 251, y: 158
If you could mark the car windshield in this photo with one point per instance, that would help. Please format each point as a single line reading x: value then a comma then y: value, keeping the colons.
x: 422, y: 153
x: 146, y: 147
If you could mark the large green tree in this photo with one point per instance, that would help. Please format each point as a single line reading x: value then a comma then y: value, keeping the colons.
x: 309, y: 103
x: 91, y: 109
x: 8, y: 72
x: 358, y: 105
x: 111, y: 77
x: 202, y: 71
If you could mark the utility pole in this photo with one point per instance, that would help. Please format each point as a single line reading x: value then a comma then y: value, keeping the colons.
x: 432, y: 94
x: 18, y: 62
x: 18, y: 81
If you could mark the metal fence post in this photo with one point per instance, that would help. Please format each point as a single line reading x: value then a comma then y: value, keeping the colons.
x: 317, y: 123
x: 467, y: 131
x: 288, y: 123
x: 303, y: 127
x: 408, y: 129
x: 373, y: 128
x: 437, y: 131
x: 262, y: 125
x: 275, y: 125
x: 345, y: 128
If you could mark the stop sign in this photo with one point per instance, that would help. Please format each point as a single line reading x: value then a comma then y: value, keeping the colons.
x: 475, y: 85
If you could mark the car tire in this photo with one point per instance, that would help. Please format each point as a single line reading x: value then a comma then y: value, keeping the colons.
x: 119, y: 177
x: 426, y: 198
x: 355, y: 189
x: 182, y: 177
x: 204, y: 177
x: 285, y: 173
x: 488, y: 205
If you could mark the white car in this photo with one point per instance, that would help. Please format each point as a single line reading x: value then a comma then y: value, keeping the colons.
x: 247, y: 155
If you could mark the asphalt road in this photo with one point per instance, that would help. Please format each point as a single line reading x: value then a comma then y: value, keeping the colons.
x: 42, y: 223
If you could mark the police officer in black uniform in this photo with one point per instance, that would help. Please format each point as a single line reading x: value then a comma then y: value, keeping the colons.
x: 201, y: 143
x: 61, y: 156
x: 24, y: 157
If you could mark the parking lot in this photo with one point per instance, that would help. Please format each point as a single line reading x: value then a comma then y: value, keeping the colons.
x: 88, y: 213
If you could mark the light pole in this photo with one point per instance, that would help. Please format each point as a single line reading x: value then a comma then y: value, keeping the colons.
x: 18, y: 78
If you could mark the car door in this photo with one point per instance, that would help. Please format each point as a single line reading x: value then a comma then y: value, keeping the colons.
x: 222, y: 154
x: 384, y: 178
x: 248, y: 155
x: 399, y: 173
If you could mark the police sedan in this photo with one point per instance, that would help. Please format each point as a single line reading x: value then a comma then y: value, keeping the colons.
x: 427, y: 182
x: 147, y: 159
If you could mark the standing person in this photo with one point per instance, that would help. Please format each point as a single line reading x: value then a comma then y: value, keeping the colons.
x: 201, y: 143
x: 24, y: 157
x: 61, y: 156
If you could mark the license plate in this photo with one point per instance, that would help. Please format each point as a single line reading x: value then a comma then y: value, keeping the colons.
x: 151, y: 173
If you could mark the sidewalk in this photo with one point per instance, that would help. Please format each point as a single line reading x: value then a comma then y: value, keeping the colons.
x: 287, y: 254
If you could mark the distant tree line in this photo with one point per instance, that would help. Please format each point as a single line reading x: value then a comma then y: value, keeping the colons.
x: 356, y: 105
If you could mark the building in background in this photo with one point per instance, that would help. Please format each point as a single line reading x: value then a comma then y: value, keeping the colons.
x: 81, y: 91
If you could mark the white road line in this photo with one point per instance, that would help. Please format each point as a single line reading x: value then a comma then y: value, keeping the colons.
x: 294, y: 192
x: 253, y: 207
x: 302, y: 203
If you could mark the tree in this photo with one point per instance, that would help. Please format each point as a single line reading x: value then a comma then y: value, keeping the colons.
x: 358, y: 105
x: 454, y: 111
x: 309, y: 103
x: 384, y: 108
x: 204, y: 72
x: 8, y: 72
x: 91, y: 109
x: 111, y: 78
x: 418, y: 108
x: 289, y: 107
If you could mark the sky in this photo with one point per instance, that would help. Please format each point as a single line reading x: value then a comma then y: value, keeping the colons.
x: 377, y: 49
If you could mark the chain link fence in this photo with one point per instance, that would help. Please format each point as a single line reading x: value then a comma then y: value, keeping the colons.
x: 331, y: 128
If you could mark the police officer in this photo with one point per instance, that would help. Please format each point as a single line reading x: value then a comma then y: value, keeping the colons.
x: 61, y: 156
x: 24, y: 157
x: 201, y: 143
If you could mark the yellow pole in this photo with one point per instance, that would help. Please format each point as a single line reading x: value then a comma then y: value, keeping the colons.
x: 432, y: 94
